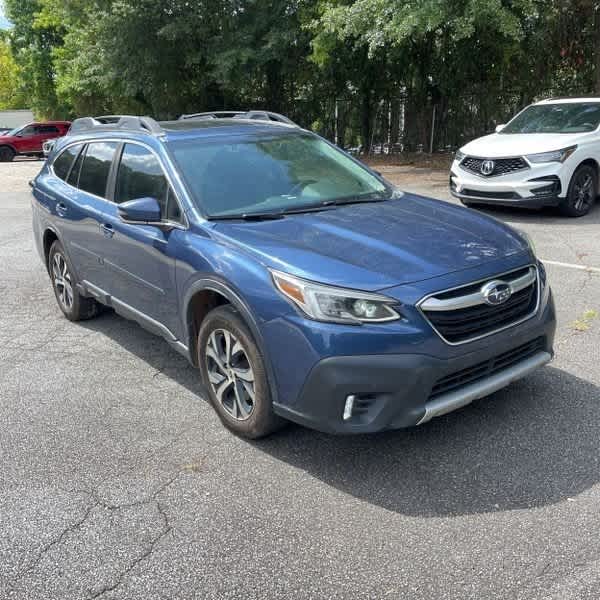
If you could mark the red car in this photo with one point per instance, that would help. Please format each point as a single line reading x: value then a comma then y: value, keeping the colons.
x: 28, y: 140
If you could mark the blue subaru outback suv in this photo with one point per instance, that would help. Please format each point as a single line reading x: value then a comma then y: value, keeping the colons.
x: 301, y: 284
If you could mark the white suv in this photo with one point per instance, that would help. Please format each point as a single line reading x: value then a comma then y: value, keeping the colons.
x: 547, y: 155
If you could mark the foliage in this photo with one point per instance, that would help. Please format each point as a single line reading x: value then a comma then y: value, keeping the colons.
x: 10, y: 91
x: 352, y: 68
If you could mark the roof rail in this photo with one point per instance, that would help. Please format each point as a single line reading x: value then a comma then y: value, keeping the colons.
x: 254, y: 115
x: 112, y: 122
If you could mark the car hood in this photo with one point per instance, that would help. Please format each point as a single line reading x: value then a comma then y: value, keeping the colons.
x: 376, y: 245
x: 498, y: 145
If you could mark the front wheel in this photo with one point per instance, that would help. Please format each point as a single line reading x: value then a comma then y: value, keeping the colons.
x: 582, y: 192
x: 234, y: 373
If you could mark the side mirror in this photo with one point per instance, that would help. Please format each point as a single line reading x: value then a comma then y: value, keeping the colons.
x: 499, y: 128
x: 141, y: 210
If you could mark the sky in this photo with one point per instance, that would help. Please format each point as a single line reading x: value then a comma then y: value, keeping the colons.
x: 4, y: 24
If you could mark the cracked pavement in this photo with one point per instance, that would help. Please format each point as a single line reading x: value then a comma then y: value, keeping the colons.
x: 117, y: 480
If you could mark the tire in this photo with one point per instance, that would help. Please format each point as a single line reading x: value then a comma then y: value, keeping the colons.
x: 73, y: 305
x: 582, y: 192
x: 233, y: 371
x: 6, y: 154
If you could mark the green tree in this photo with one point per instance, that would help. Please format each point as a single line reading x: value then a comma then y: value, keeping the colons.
x: 11, y: 95
x: 33, y: 44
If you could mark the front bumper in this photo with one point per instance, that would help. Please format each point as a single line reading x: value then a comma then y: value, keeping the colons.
x: 398, y: 390
x: 538, y: 186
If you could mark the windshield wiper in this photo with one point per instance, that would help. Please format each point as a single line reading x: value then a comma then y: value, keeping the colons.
x: 271, y: 216
x: 359, y: 199
x: 280, y: 214
x: 266, y: 216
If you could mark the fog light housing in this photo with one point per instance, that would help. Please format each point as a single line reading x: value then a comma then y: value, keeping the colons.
x: 552, y: 189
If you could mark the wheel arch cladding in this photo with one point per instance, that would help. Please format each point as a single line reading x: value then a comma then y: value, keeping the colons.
x: 49, y: 238
x: 206, y: 294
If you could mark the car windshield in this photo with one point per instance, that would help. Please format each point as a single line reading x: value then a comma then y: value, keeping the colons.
x: 14, y: 131
x: 282, y: 173
x: 556, y: 118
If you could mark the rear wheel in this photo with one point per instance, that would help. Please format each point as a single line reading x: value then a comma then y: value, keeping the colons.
x: 582, y: 192
x: 233, y: 370
x: 73, y: 305
x: 6, y: 154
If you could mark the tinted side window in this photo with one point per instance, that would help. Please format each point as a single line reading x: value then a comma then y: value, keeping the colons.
x: 64, y: 160
x: 173, y: 212
x: 28, y: 131
x: 140, y: 176
x: 96, y: 166
x: 48, y: 129
x: 73, y: 178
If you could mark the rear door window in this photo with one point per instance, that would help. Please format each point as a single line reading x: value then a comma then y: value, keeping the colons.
x: 48, y: 129
x: 62, y: 163
x: 96, y: 167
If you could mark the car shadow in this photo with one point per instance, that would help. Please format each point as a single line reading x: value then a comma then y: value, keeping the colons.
x: 547, y: 216
x: 532, y: 444
x: 150, y: 348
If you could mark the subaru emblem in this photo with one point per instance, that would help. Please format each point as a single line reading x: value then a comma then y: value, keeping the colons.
x: 496, y: 292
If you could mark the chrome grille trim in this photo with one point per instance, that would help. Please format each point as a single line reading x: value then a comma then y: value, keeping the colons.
x: 435, y: 304
x: 504, y: 165
x: 536, y: 280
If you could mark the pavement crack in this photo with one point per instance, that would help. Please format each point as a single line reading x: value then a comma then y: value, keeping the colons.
x: 148, y: 551
x: 55, y: 542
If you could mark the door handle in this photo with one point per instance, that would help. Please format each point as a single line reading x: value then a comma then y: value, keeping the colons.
x: 61, y: 209
x: 107, y: 229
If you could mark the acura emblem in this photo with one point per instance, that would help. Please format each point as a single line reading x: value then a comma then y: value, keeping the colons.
x: 487, y: 167
x: 496, y: 292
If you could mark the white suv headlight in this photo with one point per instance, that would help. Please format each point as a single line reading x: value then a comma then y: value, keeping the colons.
x: 458, y: 155
x: 553, y: 156
x: 333, y: 304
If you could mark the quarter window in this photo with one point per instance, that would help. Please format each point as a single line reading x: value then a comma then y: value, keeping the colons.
x: 96, y: 167
x: 62, y: 163
x: 73, y: 178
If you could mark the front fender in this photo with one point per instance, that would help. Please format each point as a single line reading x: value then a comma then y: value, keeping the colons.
x: 219, y: 285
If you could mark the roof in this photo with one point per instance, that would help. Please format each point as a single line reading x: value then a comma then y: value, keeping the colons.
x: 128, y: 126
x: 563, y: 100
x: 222, y: 127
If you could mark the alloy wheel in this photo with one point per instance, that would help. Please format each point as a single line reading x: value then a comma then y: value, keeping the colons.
x: 62, y: 281
x: 583, y: 191
x: 230, y: 374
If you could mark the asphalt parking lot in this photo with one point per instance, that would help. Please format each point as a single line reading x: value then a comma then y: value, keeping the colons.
x: 118, y: 481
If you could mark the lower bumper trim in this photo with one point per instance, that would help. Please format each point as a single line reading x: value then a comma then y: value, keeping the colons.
x: 524, y: 202
x: 479, y: 389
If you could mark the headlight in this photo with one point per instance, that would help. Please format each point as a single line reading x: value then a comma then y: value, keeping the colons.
x: 337, y: 305
x: 458, y: 155
x: 527, y: 239
x: 554, y: 156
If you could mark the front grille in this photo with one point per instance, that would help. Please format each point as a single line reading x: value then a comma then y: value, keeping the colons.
x: 502, y: 166
x: 459, y: 325
x: 494, y: 195
x: 486, y: 368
